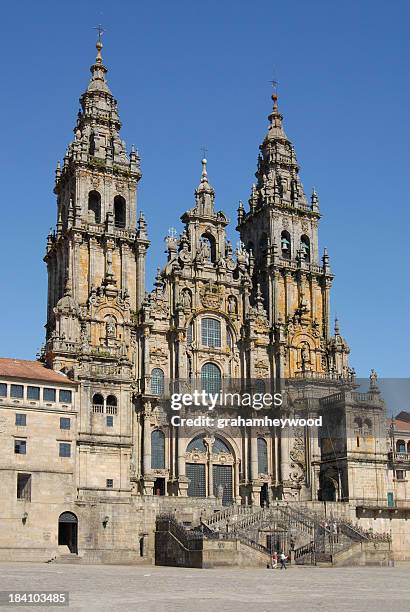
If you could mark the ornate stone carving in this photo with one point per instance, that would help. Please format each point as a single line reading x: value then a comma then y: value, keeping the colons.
x: 211, y: 295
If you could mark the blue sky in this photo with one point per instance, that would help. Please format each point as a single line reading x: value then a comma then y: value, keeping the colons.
x: 189, y: 74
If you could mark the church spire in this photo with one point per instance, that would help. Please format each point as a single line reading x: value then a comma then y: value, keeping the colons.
x: 204, y: 193
x: 275, y: 129
x: 98, y: 72
x: 97, y: 137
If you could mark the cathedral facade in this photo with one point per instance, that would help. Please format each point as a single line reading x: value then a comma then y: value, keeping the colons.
x: 254, y: 317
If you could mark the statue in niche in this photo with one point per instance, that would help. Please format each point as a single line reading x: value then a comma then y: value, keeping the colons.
x: 232, y: 304
x: 305, y: 356
x: 205, y: 250
x: 186, y: 299
x: 110, y: 328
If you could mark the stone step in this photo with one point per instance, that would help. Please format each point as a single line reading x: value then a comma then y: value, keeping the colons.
x: 68, y: 558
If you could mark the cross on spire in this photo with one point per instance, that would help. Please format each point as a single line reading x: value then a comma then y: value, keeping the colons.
x: 204, y: 152
x: 100, y: 31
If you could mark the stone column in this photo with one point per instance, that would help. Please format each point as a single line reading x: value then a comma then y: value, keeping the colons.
x: 236, y: 481
x: 209, y: 443
x: 141, y: 250
x: 255, y: 484
x: 182, y: 479
x: 253, y: 458
x: 147, y: 446
x: 146, y: 461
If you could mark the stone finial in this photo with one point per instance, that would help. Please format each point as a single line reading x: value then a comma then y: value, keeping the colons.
x: 204, y: 193
x: 241, y: 212
x: 275, y: 118
x: 325, y: 259
x: 337, y: 327
x: 158, y: 283
x: 314, y: 200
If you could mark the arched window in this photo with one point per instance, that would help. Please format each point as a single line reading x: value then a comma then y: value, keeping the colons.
x: 219, y: 446
x: 305, y: 247
x: 98, y: 403
x: 111, y: 405
x: 400, y: 446
x: 211, y: 332
x: 285, y: 245
x: 94, y: 207
x: 197, y: 444
x: 208, y: 247
x: 358, y: 425
x: 157, y: 381
x: 367, y: 427
x: 157, y: 450
x: 262, y: 456
x: 119, y: 211
x: 211, y: 378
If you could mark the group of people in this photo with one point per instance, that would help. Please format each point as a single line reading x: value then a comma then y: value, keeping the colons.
x: 332, y: 531
x: 282, y: 559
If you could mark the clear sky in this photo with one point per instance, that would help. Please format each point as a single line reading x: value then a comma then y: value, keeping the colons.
x: 188, y: 74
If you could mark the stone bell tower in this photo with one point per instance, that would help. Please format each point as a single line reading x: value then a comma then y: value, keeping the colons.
x: 281, y: 229
x: 96, y: 255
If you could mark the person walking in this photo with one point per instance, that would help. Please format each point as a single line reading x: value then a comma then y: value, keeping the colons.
x: 282, y: 560
x: 274, y: 560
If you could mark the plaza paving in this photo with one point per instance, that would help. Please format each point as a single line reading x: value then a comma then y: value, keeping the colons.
x: 156, y: 589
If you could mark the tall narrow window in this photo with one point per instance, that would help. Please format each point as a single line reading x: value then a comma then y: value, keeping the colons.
x: 24, y: 486
x: 305, y: 247
x: 157, y: 381
x: 157, y: 450
x: 94, y: 207
x: 119, y: 211
x: 262, y: 456
x: 211, y: 378
x: 3, y: 390
x: 211, y: 332
x: 111, y: 405
x: 285, y: 245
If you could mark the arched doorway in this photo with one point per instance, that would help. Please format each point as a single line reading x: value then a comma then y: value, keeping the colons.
x: 210, y: 468
x: 68, y: 531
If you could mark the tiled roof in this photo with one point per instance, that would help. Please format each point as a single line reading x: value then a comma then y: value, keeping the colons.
x: 31, y: 370
x: 399, y: 425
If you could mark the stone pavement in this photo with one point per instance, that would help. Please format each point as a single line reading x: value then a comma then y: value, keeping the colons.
x: 159, y: 589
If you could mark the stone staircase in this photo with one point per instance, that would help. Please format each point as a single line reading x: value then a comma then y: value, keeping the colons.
x: 309, y: 538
